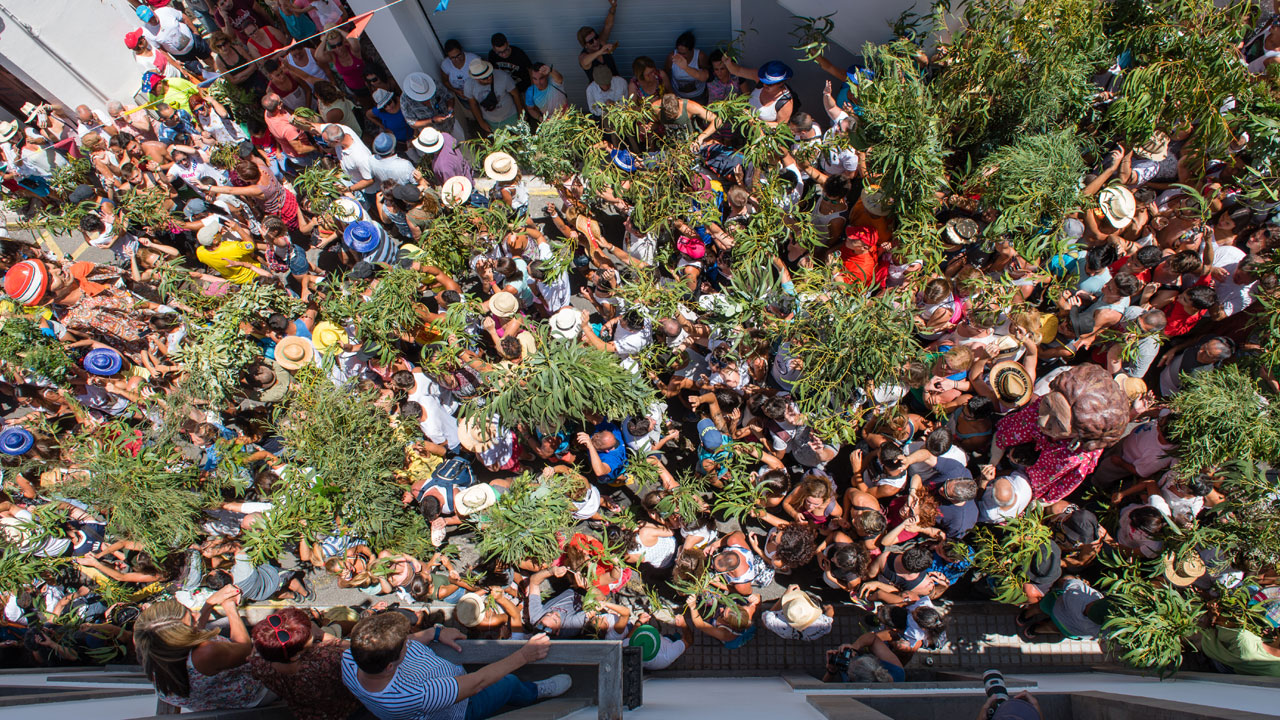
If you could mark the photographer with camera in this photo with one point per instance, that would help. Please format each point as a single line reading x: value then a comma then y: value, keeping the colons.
x: 866, y: 660
x: 999, y: 706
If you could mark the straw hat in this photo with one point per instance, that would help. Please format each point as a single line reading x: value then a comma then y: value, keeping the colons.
x: 798, y: 609
x: 103, y: 361
x: 429, y: 141
x: 27, y: 281
x: 1011, y: 382
x: 8, y: 130
x: 475, y: 498
x: 293, y: 352
x: 470, y: 610
x: 1118, y: 205
x: 874, y: 203
x: 566, y: 324
x: 1155, y: 149
x: 381, y: 97
x: 1183, y: 573
x: 648, y: 639
x: 15, y: 531
x: 476, y: 439
x: 504, y: 304
x: 455, y: 191
x: 348, y: 210
x: 418, y: 86
x: 500, y: 167
x: 479, y: 69
x: 326, y: 336
x: 961, y: 231
x: 208, y: 235
x: 1132, y: 386
x: 30, y: 110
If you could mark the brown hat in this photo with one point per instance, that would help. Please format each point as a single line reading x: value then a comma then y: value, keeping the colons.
x: 1011, y: 383
x: 1185, y: 572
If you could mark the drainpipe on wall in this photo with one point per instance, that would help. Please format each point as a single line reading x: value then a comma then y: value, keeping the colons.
x: 35, y: 36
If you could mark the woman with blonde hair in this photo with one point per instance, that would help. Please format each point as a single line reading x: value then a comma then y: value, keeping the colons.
x: 195, y: 668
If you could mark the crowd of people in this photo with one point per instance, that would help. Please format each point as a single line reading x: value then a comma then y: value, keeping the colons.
x: 725, y: 484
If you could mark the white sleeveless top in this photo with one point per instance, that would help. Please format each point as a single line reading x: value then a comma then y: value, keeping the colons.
x: 687, y: 86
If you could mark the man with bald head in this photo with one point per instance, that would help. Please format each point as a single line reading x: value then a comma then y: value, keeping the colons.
x: 1003, y: 498
x: 295, y: 144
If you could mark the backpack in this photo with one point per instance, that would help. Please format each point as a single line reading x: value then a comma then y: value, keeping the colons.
x: 455, y: 471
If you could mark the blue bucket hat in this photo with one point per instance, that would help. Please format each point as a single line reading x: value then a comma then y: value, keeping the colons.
x: 16, y: 441
x: 774, y: 72
x: 623, y: 160
x: 103, y: 361
x: 145, y: 13
x: 384, y: 143
x: 362, y: 236
x: 710, y: 436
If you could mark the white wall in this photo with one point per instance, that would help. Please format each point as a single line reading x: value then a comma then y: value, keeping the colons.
x: 71, y: 51
x: 402, y: 36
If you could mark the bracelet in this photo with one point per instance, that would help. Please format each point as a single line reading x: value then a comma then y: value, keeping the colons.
x: 436, y: 638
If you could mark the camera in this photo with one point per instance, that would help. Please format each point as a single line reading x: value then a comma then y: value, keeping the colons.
x: 840, y: 661
x: 993, y: 682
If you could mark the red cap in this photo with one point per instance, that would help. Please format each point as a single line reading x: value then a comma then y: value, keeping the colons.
x: 131, y: 38
x: 158, y: 3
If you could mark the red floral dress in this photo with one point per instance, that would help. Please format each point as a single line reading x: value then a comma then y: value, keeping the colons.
x: 1060, y: 469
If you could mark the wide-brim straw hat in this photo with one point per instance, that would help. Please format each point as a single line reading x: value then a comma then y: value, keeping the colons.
x: 480, y: 69
x: 798, y: 609
x: 1183, y: 573
x: 504, y: 304
x: 476, y: 439
x: 1118, y: 205
x: 500, y: 167
x: 470, y: 610
x: 294, y: 351
x: 8, y: 130
x: 476, y: 498
x: 1155, y: 149
x: 566, y: 324
x: 455, y: 191
x: 1011, y: 382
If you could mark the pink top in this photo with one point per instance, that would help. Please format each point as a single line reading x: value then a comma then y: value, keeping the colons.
x: 1059, y: 470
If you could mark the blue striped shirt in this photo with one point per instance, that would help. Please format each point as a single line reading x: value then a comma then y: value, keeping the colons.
x: 423, y: 688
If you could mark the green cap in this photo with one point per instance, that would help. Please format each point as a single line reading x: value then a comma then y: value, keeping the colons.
x: 648, y: 639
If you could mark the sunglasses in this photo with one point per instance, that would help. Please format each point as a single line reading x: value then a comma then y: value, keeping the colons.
x: 282, y: 635
x: 591, y: 39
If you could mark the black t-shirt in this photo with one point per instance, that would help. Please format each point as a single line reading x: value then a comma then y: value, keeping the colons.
x: 517, y: 64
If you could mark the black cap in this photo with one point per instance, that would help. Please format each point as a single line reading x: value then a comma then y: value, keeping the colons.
x: 1045, y: 567
x: 362, y: 271
x: 407, y: 194
x: 80, y: 194
x: 245, y: 148
x: 1080, y: 527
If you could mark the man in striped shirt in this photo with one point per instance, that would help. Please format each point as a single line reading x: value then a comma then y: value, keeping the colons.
x: 397, y: 677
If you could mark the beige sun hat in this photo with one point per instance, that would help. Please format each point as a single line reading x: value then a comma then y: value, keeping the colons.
x: 798, y: 609
x: 293, y: 352
x: 207, y: 236
x: 566, y: 324
x: 1133, y: 387
x: 501, y: 167
x: 15, y: 530
x: 1183, y: 573
x: 874, y: 202
x: 504, y: 304
x: 476, y: 498
x: 8, y: 130
x: 1011, y: 382
x: 476, y: 439
x: 1118, y: 204
x: 470, y: 609
x: 480, y: 69
x: 455, y: 191
x: 430, y: 140
x: 1154, y: 149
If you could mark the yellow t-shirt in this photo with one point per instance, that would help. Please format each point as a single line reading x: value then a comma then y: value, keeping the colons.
x: 227, y: 251
x: 177, y: 94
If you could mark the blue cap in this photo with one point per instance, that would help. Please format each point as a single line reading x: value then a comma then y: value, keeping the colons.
x: 362, y: 236
x: 103, y: 361
x: 16, y: 441
x: 384, y: 143
x: 145, y: 13
x: 774, y: 72
x: 623, y: 159
x: 856, y: 74
x: 711, y: 437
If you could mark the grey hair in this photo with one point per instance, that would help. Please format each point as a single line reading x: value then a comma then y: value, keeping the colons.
x: 333, y: 134
x: 115, y: 106
x: 867, y: 669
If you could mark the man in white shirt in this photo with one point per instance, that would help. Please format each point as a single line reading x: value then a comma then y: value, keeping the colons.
x: 604, y: 89
x: 1005, y: 498
x: 170, y: 30
x: 354, y: 158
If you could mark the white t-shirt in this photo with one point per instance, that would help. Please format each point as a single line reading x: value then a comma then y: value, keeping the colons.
x: 836, y: 162
x: 629, y: 342
x: 555, y: 292
x: 668, y: 652
x: 169, y: 32
x: 502, y: 86
x: 588, y: 506
x: 458, y: 76
x: 598, y: 97
x: 989, y: 510
x: 440, y: 426
x: 356, y: 160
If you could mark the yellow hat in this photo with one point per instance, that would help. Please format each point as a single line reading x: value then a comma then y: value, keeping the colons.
x: 326, y: 336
